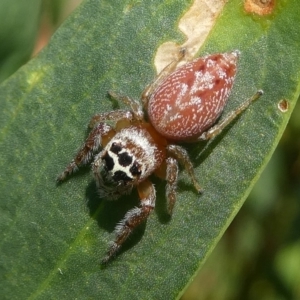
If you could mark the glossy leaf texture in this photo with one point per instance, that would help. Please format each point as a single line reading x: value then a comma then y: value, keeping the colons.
x: 52, y: 238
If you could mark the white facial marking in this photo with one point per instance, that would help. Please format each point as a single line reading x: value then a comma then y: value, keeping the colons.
x: 141, y: 150
x: 117, y: 166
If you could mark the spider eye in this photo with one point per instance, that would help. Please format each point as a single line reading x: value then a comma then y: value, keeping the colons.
x: 109, y: 162
x: 115, y: 148
x: 125, y: 159
x: 121, y: 176
x: 135, y: 169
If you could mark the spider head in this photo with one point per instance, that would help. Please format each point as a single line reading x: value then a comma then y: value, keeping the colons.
x: 120, y: 163
x: 131, y: 156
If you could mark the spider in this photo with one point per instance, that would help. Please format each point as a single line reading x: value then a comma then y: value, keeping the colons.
x: 182, y: 105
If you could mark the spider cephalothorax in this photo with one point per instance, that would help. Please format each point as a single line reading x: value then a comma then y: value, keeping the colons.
x: 128, y: 159
x: 182, y: 106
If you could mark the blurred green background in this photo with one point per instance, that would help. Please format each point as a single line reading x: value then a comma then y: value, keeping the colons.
x: 259, y: 255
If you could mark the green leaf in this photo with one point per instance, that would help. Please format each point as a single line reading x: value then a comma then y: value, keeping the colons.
x: 19, y: 23
x: 52, y: 238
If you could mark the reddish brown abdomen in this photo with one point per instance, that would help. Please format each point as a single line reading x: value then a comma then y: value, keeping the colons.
x: 191, y: 99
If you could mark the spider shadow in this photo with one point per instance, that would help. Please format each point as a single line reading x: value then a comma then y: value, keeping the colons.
x: 109, y: 213
x: 203, y: 149
x: 161, y: 201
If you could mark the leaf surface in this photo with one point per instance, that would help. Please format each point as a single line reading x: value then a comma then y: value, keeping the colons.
x: 52, y: 238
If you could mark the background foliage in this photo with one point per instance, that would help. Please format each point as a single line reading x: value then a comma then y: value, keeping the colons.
x: 51, y: 240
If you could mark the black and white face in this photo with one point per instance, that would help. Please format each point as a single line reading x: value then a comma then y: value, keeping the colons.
x: 129, y: 157
x: 121, y: 163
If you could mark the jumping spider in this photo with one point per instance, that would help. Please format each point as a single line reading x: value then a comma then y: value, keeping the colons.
x: 182, y: 105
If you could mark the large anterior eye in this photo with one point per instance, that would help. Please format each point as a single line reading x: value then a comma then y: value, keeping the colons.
x: 124, y: 159
x: 115, y: 148
x: 135, y: 169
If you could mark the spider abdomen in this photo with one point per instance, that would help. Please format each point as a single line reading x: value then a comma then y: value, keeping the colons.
x: 191, y: 99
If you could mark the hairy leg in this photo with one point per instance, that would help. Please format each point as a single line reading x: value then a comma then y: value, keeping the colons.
x: 133, y: 218
x: 182, y: 156
x: 171, y: 177
x: 136, y: 108
x: 85, y: 154
x: 216, y: 129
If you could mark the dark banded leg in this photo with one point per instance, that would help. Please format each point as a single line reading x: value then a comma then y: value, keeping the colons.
x: 181, y: 154
x: 85, y: 154
x: 171, y: 177
x: 133, y: 218
x: 136, y: 108
x: 216, y: 129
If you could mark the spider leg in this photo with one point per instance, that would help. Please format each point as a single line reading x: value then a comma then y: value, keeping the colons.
x: 92, y: 144
x: 114, y: 115
x: 133, y: 218
x: 166, y: 71
x: 172, y: 178
x: 96, y: 167
x: 136, y: 108
x: 181, y: 154
x: 216, y: 129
